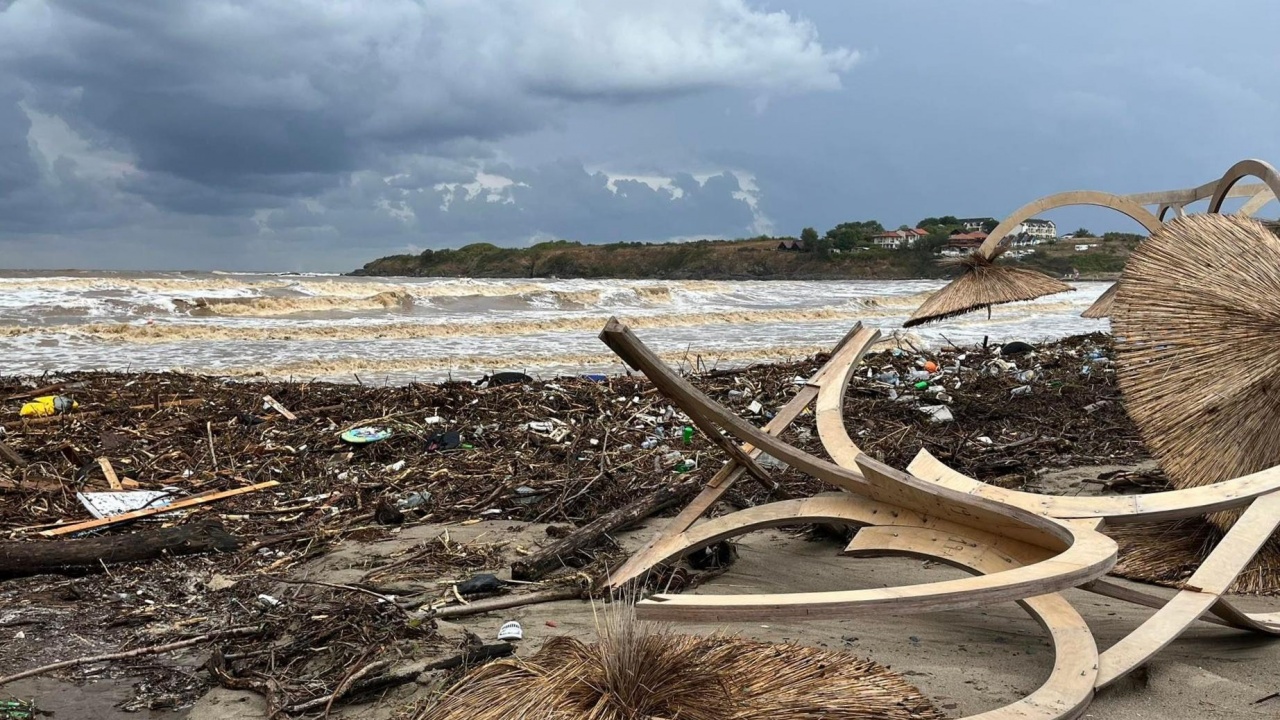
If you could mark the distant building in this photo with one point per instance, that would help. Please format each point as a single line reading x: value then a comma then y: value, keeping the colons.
x: 791, y: 246
x: 977, y: 224
x: 1042, y: 230
x: 898, y: 239
x: 963, y: 243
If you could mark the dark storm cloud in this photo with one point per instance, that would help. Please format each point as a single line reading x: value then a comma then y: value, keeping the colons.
x: 220, y: 112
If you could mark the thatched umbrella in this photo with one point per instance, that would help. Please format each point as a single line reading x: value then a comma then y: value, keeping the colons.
x: 984, y: 283
x: 639, y: 671
x: 1101, y: 308
x: 1196, y: 317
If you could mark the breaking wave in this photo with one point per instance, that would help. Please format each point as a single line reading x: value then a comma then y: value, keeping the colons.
x: 392, y: 366
x: 161, y: 332
x: 271, y: 306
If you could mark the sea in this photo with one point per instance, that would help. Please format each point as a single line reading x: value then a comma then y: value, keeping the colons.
x: 398, y: 330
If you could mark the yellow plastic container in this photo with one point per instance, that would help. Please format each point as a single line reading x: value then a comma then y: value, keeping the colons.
x: 48, y: 405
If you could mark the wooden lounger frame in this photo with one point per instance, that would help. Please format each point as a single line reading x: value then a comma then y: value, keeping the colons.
x: 1021, y: 546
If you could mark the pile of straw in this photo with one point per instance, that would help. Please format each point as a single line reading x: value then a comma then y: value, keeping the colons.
x: 984, y: 283
x: 639, y: 671
x: 1195, y: 319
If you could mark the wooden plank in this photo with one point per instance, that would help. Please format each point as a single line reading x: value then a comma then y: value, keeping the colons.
x: 1214, y: 576
x: 177, y: 505
x: 275, y: 404
x: 110, y: 474
x: 1089, y: 556
x: 1070, y: 685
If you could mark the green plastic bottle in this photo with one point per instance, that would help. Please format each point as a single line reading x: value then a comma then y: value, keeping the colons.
x: 688, y: 435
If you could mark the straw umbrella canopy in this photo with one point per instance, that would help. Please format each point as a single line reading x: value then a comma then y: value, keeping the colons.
x: 1101, y: 308
x: 982, y: 284
x: 1195, y: 320
x: 641, y: 671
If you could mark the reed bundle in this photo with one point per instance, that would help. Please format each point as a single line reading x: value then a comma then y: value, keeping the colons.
x: 1195, y: 319
x: 642, y: 671
x: 982, y: 284
x: 1101, y: 307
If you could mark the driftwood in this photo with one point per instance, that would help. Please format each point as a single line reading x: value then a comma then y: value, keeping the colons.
x: 32, y: 558
x: 11, y: 456
x: 139, y: 652
x: 407, y: 673
x: 509, y: 601
x: 557, y: 555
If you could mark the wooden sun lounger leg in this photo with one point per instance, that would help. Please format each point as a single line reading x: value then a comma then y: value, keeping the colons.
x: 1223, y: 612
x: 1089, y: 555
x: 1202, y: 592
x: 847, y: 352
x: 1070, y: 686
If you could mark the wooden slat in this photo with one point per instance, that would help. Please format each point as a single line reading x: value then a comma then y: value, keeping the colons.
x: 110, y: 474
x: 275, y: 404
x: 177, y: 505
x: 1204, y: 587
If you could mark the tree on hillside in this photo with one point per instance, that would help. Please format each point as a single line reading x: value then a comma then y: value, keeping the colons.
x: 852, y: 234
x: 947, y: 220
x: 809, y: 237
x: 989, y: 224
x: 1082, y: 232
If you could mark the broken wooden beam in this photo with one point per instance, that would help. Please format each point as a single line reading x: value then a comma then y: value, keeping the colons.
x: 11, y: 456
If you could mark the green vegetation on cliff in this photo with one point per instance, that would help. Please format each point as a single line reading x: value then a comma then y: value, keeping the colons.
x: 844, y: 252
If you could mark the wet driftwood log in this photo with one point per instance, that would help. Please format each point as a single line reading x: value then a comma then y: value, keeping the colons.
x: 31, y: 558
x: 561, y: 553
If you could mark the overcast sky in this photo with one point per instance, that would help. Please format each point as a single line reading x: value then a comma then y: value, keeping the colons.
x: 319, y: 134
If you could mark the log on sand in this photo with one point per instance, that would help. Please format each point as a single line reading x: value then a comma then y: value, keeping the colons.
x: 22, y: 558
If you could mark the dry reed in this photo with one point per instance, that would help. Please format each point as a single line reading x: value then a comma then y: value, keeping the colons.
x: 982, y: 284
x: 639, y: 671
x: 1195, y: 319
x: 1101, y: 308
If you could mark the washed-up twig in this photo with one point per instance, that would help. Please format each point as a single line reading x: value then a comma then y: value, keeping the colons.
x: 139, y: 652
x: 11, y: 456
x: 407, y: 673
x: 336, y: 586
x: 506, y: 602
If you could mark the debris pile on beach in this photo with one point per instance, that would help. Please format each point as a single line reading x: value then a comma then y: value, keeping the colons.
x: 282, y: 477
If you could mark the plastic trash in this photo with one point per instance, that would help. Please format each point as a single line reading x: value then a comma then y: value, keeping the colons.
x: 1016, y: 347
x: 483, y: 583
x: 1094, y: 407
x: 18, y: 710
x: 672, y: 458
x: 686, y: 466
x: 937, y: 413
x: 362, y: 435
x: 919, y: 375
x: 106, y: 504
x: 1026, y: 376
x: 267, y: 601
x: 888, y: 378
x: 649, y: 443
x: 396, y: 466
x: 511, y: 631
x: 931, y: 366
x: 596, y: 377
x: 755, y: 407
x: 687, y: 434
x: 921, y: 385
x: 48, y: 405
x: 1022, y: 390
x: 411, y: 500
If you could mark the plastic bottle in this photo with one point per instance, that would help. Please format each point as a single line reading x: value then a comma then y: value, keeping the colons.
x: 921, y: 385
x: 687, y: 434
